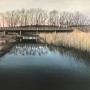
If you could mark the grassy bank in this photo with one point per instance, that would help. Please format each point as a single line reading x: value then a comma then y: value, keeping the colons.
x: 76, y: 39
x: 6, y: 43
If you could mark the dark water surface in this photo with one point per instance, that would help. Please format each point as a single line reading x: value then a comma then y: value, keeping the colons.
x: 43, y: 67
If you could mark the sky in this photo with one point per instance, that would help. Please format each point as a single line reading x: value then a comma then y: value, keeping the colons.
x: 60, y: 5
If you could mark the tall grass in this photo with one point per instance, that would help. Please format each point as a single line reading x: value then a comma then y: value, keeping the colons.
x: 76, y: 39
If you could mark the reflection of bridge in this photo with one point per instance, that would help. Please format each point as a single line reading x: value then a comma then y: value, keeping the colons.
x: 29, y: 49
x: 42, y: 49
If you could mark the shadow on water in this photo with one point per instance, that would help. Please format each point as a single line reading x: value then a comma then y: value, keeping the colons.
x: 35, y: 66
x: 28, y: 41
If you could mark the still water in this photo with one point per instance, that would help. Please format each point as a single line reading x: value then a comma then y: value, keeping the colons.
x: 44, y: 67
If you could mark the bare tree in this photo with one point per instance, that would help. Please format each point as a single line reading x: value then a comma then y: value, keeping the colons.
x: 53, y: 17
x: 8, y: 18
x: 42, y: 17
x: 63, y: 19
x: 2, y: 19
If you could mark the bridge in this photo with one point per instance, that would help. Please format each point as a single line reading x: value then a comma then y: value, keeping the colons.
x: 32, y: 32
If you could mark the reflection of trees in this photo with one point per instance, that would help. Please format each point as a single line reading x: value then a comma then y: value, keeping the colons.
x: 29, y: 49
x: 76, y: 54
x: 42, y: 49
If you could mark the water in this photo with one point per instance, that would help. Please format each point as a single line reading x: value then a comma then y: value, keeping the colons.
x: 43, y: 67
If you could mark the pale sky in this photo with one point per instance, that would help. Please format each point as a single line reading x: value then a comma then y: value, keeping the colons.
x: 61, y: 5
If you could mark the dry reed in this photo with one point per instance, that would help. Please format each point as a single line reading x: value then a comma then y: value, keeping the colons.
x: 76, y: 39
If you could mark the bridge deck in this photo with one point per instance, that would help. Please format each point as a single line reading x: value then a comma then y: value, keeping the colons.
x: 41, y: 29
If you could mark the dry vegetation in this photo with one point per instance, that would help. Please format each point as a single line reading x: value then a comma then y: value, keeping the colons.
x: 7, y: 39
x: 5, y: 42
x: 76, y: 39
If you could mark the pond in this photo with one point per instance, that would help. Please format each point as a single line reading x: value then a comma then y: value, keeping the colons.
x: 44, y: 67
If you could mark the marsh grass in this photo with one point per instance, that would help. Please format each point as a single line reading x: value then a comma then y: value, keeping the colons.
x: 76, y: 39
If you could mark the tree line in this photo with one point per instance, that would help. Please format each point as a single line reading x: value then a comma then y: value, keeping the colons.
x: 42, y: 17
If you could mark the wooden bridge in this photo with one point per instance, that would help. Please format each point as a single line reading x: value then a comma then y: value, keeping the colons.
x: 32, y: 31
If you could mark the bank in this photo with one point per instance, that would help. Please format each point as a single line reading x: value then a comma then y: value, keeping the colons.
x: 6, y: 43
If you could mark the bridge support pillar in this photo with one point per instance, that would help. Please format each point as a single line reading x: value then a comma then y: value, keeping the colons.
x: 37, y: 33
x: 55, y: 32
x: 20, y: 33
x: 36, y: 39
x: 4, y: 33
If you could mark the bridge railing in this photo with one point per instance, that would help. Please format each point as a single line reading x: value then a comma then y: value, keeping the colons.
x: 35, y: 28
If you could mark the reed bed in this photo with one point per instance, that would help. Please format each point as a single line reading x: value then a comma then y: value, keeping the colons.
x: 76, y: 39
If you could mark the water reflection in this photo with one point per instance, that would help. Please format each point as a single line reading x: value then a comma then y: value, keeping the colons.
x: 29, y: 49
x: 43, y: 49
x: 45, y: 67
x: 70, y: 59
